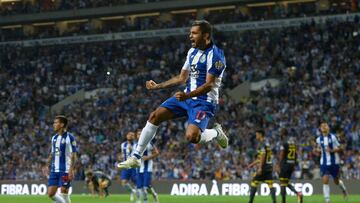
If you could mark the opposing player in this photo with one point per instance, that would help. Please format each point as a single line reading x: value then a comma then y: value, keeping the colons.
x: 202, y: 72
x: 128, y: 176
x: 264, y: 163
x: 98, y: 182
x: 329, y: 147
x: 144, y: 173
x: 288, y: 157
x: 61, y: 161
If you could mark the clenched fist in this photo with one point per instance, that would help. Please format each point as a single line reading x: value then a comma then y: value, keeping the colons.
x: 151, y: 85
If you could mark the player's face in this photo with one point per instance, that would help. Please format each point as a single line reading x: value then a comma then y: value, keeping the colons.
x: 57, y: 125
x: 324, y: 128
x: 138, y: 133
x: 197, y: 38
x: 130, y: 136
x: 258, y: 136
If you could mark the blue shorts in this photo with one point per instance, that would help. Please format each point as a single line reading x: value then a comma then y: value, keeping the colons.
x: 332, y: 170
x: 59, y: 179
x: 143, y: 179
x: 128, y: 174
x: 198, y: 112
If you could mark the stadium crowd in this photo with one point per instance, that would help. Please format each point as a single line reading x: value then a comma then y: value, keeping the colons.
x: 177, y: 20
x: 318, y: 69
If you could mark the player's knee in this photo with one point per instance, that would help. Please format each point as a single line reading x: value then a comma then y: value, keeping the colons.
x: 154, y: 118
x: 192, y: 137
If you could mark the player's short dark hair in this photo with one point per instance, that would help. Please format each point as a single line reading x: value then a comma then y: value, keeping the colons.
x: 204, y: 25
x: 62, y: 120
x: 261, y: 131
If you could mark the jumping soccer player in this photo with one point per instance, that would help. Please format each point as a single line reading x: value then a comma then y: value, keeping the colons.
x: 202, y: 72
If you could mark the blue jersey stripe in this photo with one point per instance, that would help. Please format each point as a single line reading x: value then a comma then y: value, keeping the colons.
x: 146, y: 163
x: 332, y: 155
x: 323, y: 150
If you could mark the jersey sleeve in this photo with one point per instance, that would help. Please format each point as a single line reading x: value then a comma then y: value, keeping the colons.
x: 216, y: 63
x: 73, y: 145
x: 318, y: 141
x: 335, y: 141
x: 186, y: 65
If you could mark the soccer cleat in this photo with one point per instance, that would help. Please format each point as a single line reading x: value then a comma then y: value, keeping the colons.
x: 300, y: 197
x: 131, y: 162
x: 221, y: 138
x: 346, y: 195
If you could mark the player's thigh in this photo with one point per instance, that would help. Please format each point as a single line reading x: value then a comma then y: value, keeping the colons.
x: 147, y: 179
x: 140, y: 180
x: 53, y: 183
x: 200, y: 113
x: 169, y: 109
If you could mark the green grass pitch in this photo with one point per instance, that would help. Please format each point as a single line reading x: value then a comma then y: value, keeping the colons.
x: 173, y: 199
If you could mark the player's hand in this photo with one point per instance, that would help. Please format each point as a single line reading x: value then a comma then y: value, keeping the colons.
x: 181, y: 96
x: 71, y: 174
x: 151, y: 85
x: 45, y: 170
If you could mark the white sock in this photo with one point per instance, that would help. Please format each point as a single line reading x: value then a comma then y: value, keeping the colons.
x: 151, y: 191
x: 58, y: 199
x: 208, y: 135
x: 144, y: 193
x: 147, y: 134
x: 129, y: 188
x: 326, y: 190
x: 66, y: 197
x: 342, y: 186
x: 138, y: 195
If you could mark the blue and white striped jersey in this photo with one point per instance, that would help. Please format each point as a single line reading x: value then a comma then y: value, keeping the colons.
x: 331, y: 142
x: 62, y: 146
x: 147, y: 166
x: 199, y: 63
x: 127, y: 149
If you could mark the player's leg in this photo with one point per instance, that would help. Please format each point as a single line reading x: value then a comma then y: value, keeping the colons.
x: 53, y: 184
x: 272, y: 190
x: 254, y: 185
x: 198, y: 118
x: 65, y: 185
x: 126, y: 175
x: 335, y: 173
x: 139, y: 187
x: 326, y: 188
x: 149, y: 189
x: 104, y: 185
x: 284, y: 182
x: 171, y: 108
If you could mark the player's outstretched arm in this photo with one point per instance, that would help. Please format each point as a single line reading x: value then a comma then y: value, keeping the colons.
x: 203, y: 89
x: 177, y: 80
x: 155, y: 153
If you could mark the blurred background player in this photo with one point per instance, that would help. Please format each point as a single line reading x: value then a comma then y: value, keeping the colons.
x: 329, y: 147
x: 128, y: 176
x: 144, y: 173
x: 287, y: 160
x: 202, y: 72
x: 61, y: 161
x: 264, y: 163
x: 98, y: 182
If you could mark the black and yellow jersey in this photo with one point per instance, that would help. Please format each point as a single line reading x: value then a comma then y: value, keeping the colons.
x: 264, y: 149
x: 290, y: 154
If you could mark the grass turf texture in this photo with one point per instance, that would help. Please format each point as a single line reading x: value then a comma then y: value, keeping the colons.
x: 174, y: 199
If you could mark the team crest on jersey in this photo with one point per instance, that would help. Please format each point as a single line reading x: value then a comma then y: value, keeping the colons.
x: 74, y: 143
x: 202, y: 59
x: 219, y: 65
